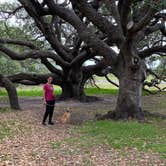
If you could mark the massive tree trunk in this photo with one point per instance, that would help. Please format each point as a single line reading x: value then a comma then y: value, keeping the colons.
x: 70, y: 90
x: 132, y: 75
x: 129, y: 99
x: 73, y: 84
x: 11, y: 90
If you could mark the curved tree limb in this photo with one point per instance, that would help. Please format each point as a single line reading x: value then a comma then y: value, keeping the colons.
x: 153, y: 50
x: 11, y: 12
x: 19, y: 42
x: 144, y: 21
x: 34, y: 54
x: 50, y: 67
x: 35, y: 10
x: 33, y: 78
x: 94, y: 69
x: 115, y: 84
x: 98, y: 20
x: 124, y: 10
x: 85, y: 34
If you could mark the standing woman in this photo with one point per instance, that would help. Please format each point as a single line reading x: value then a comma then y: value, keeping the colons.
x: 49, y: 101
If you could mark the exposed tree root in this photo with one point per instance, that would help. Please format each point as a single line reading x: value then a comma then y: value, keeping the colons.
x: 154, y: 115
x: 112, y: 115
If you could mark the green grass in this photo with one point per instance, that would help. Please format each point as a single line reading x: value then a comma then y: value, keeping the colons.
x: 38, y: 91
x: 118, y: 135
x: 30, y: 91
x: 96, y: 91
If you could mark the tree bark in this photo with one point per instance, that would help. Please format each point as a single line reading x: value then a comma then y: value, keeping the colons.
x: 11, y: 90
x: 131, y: 79
x: 75, y: 91
x: 129, y: 99
x: 73, y: 84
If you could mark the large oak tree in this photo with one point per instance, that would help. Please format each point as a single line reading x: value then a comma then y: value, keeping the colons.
x: 98, y: 25
x: 63, y: 54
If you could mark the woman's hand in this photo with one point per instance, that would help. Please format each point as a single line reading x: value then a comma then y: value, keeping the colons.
x: 44, y: 101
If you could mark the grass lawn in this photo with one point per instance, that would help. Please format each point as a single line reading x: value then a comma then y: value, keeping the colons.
x: 79, y: 140
x: 38, y: 91
x: 118, y: 135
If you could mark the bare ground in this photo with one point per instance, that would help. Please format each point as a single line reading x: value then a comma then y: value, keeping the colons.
x: 30, y: 145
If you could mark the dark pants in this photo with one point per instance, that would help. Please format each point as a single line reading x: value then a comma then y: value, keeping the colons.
x: 49, y: 111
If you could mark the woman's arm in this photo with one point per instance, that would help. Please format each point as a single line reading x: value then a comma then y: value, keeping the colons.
x: 44, y: 94
x: 54, y: 94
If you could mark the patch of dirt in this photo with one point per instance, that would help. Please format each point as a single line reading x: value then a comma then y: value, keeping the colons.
x: 31, y: 143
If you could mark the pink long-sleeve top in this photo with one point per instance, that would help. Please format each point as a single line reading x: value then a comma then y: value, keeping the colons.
x: 48, y: 92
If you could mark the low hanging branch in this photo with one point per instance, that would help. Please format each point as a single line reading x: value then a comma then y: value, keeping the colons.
x: 153, y: 50
x: 92, y: 82
x: 34, y: 54
x: 11, y: 90
x: 154, y: 82
x: 33, y: 78
x: 18, y: 42
x: 107, y: 78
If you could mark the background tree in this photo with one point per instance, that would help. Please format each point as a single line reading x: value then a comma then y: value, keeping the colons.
x: 63, y: 54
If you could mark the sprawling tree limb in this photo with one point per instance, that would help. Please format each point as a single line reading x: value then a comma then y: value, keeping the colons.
x: 144, y: 21
x: 19, y: 42
x: 12, y: 12
x: 82, y: 57
x: 34, y: 54
x: 156, y: 75
x: 101, y: 22
x: 124, y: 10
x: 115, y: 84
x: 95, y: 69
x: 76, y: 47
x: 151, y: 84
x: 50, y: 67
x: 33, y: 78
x: 33, y: 8
x: 159, y: 26
x: 85, y: 34
x: 155, y: 28
x: 113, y: 9
x: 154, y: 50
x: 154, y: 82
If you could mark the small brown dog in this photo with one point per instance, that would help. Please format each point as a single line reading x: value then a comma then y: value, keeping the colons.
x: 65, y: 118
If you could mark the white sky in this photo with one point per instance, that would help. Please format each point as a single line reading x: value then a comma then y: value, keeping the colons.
x: 2, y: 1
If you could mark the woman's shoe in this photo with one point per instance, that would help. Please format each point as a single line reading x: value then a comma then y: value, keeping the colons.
x: 51, y: 123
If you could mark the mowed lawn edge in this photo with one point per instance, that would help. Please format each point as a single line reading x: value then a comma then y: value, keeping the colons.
x: 38, y: 92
